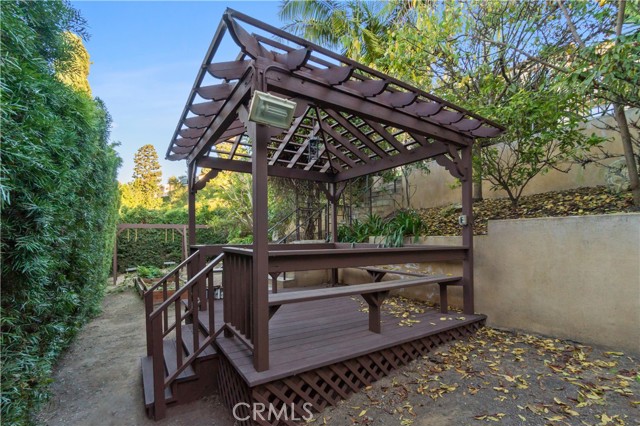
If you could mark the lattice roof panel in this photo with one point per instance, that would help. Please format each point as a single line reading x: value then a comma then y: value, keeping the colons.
x: 365, y: 121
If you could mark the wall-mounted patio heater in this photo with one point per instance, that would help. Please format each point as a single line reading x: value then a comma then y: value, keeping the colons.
x: 271, y: 110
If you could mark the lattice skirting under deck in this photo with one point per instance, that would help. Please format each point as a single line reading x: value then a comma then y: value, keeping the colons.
x: 327, y: 385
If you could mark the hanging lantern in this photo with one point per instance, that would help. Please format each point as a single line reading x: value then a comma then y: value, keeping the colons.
x: 314, y: 148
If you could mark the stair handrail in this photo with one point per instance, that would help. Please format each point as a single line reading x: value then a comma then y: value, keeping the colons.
x: 173, y: 271
x: 192, y: 282
x: 199, y: 285
x: 285, y: 217
x: 194, y: 258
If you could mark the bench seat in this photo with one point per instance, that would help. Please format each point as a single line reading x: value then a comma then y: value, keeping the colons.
x: 373, y: 293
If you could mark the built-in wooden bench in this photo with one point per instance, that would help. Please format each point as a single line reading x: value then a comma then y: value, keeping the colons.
x: 378, y: 274
x: 373, y: 293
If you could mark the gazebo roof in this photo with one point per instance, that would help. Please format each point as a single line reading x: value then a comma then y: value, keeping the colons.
x: 366, y: 121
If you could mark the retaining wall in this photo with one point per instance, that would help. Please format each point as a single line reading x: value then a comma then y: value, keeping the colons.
x: 576, y: 278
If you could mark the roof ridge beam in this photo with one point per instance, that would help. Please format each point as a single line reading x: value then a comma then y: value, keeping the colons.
x: 418, y: 154
x: 328, y: 97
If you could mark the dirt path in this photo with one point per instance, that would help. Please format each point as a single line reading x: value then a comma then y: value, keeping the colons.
x: 98, y: 382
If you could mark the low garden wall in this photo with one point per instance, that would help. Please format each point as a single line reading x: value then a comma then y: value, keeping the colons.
x: 576, y: 278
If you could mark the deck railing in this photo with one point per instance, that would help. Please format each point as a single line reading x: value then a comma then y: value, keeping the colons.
x: 240, y: 304
x: 237, y: 283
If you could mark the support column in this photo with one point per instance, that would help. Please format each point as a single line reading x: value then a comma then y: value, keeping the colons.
x: 260, y: 295
x: 467, y: 231
x: 192, y: 204
x: 334, y: 226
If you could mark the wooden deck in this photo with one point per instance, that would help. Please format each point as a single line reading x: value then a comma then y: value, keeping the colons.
x: 308, y: 335
x: 301, y: 346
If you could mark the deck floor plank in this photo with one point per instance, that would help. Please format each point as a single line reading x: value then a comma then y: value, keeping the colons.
x: 307, y: 335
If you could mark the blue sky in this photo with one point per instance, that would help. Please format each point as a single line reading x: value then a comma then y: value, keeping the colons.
x: 145, y: 56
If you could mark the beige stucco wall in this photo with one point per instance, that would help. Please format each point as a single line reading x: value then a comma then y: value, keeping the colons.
x: 437, y: 188
x: 573, y: 277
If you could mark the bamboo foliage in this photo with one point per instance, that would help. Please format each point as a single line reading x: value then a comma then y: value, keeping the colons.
x: 59, y: 201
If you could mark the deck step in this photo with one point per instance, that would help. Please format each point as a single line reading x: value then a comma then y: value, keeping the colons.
x: 171, y: 361
x: 146, y: 364
x: 187, y: 340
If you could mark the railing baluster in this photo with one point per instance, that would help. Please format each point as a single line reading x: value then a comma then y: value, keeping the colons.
x: 211, y: 302
x: 177, y: 280
x: 165, y: 296
x: 196, y: 317
x: 148, y: 308
x: 178, y: 312
x: 158, y: 369
x: 247, y: 266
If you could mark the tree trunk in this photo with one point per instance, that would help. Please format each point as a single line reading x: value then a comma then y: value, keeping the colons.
x: 625, y: 137
x: 477, y: 189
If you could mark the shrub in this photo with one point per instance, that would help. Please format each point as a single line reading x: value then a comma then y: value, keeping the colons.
x: 403, y: 224
x: 59, y: 201
x: 149, y: 272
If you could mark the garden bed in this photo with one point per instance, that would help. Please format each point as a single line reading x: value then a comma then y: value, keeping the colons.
x: 574, y: 202
x: 142, y: 285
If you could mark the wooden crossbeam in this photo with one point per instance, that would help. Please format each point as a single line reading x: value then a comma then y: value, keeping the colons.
x: 287, y: 138
x: 232, y: 70
x: 245, y: 167
x: 329, y: 97
x: 216, y: 92
x: 386, y: 136
x: 345, y: 143
x: 303, y: 147
x: 417, y: 154
x: 340, y: 155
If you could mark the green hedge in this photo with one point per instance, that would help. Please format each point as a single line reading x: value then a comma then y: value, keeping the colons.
x: 59, y: 202
x: 153, y: 247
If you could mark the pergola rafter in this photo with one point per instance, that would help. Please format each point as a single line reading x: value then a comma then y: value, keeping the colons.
x: 366, y: 121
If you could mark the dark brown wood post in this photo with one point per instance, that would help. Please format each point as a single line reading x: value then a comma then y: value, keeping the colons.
x: 192, y: 204
x: 444, y: 300
x: 467, y: 230
x: 260, y: 321
x: 334, y: 225
x: 375, y: 300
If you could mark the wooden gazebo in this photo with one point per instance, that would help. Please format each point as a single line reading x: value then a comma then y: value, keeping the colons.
x: 348, y: 121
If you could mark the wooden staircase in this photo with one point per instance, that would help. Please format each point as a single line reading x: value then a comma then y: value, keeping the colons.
x: 181, y: 363
x: 194, y: 382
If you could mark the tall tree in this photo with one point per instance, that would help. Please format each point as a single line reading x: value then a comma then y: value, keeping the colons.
x: 147, y: 177
x: 457, y: 50
x: 608, y: 68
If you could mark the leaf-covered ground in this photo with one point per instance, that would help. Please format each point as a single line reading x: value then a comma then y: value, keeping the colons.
x: 505, y: 378
x: 575, y: 202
